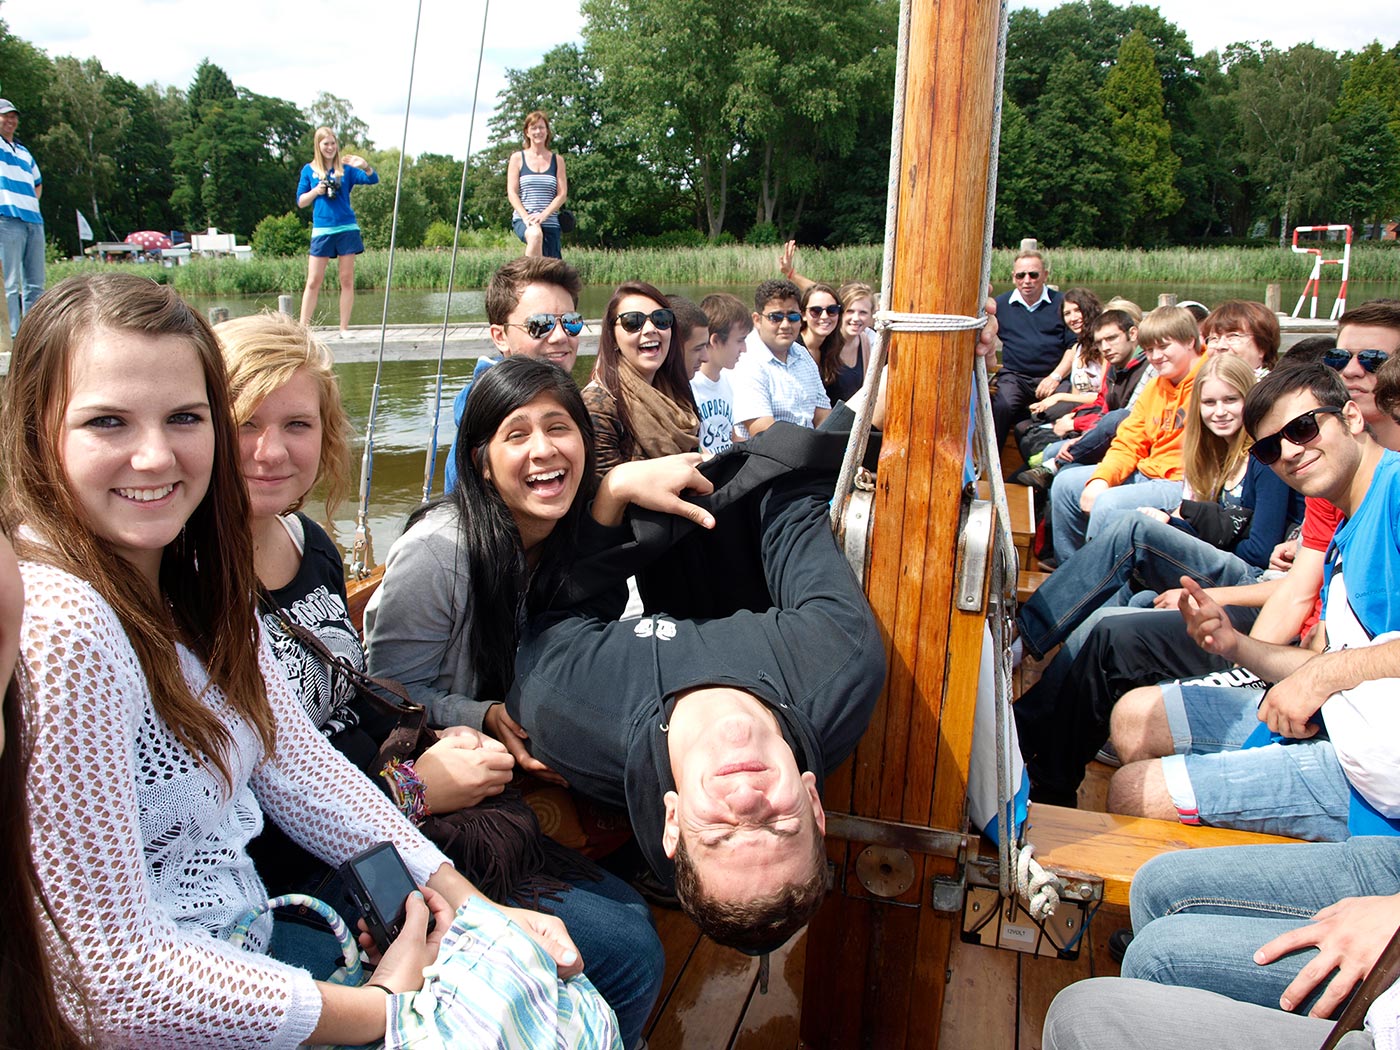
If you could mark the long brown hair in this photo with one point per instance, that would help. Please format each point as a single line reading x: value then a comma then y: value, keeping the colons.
x: 207, y: 581
x: 670, y: 378
x: 827, y: 353
x: 1208, y: 461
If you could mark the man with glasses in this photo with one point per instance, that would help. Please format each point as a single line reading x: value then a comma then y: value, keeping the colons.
x: 777, y: 379
x: 1034, y: 338
x: 532, y: 308
x: 1313, y: 434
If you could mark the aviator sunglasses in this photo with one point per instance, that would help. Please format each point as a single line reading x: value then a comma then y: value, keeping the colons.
x: 1370, y: 359
x: 1034, y: 275
x: 779, y: 316
x: 1300, y: 430
x: 537, y: 326
x: 830, y: 311
x: 633, y: 320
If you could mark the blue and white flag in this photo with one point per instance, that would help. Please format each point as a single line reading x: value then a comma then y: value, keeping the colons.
x: 84, y: 229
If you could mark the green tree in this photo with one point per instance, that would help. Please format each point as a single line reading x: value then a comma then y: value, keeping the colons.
x: 86, y: 130
x: 331, y: 111
x: 281, y: 235
x: 26, y: 72
x: 140, y: 192
x: 1286, y: 137
x: 374, y: 205
x: 1368, y: 183
x: 1019, y: 190
x: 1132, y: 94
x: 210, y: 84
x: 440, y: 179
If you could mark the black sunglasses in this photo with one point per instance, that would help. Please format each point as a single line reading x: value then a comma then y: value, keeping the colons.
x: 537, y: 326
x: 779, y: 316
x: 1301, y: 430
x: 1370, y: 359
x: 1034, y: 275
x: 830, y: 311
x: 633, y: 320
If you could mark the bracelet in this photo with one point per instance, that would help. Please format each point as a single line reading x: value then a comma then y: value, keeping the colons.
x: 386, y: 991
x: 407, y: 790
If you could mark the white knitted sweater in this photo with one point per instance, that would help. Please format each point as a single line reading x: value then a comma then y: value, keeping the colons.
x: 141, y: 849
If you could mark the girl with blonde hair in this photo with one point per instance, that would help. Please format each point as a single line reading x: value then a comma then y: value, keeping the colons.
x: 325, y: 188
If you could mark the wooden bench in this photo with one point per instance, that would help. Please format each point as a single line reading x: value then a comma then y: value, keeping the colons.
x: 1027, y: 580
x: 1113, y: 847
x: 1020, y: 500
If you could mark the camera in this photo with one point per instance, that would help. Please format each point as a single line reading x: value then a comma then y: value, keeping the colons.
x: 332, y: 186
x: 379, y: 884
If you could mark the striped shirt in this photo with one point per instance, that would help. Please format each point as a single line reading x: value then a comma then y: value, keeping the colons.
x: 19, y: 175
x: 538, y: 188
x: 788, y: 391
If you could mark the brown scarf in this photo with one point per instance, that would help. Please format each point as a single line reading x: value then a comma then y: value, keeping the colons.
x: 660, y: 427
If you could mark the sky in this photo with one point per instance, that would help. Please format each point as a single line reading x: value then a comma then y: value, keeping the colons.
x: 360, y: 50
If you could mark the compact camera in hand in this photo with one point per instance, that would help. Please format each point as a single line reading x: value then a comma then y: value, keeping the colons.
x: 379, y: 883
x: 331, y: 185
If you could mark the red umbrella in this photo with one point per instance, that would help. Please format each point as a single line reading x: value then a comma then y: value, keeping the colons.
x: 151, y: 240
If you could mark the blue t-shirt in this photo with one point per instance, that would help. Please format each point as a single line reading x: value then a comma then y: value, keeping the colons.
x: 459, y: 409
x: 1367, y: 548
x: 334, y: 215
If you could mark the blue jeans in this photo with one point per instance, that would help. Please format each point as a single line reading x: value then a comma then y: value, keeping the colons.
x: 622, y: 956
x: 1099, y: 573
x: 1073, y: 528
x: 1200, y: 914
x: 22, y: 252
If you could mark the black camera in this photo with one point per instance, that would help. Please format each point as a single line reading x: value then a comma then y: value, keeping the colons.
x: 332, y: 186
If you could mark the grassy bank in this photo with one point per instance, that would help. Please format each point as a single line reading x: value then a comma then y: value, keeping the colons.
x: 741, y: 264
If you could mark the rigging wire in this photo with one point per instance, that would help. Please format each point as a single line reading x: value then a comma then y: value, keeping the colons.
x: 363, y: 552
x: 430, y: 465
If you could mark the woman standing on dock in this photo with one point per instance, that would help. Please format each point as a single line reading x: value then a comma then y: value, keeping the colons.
x: 537, y: 187
x: 325, y: 188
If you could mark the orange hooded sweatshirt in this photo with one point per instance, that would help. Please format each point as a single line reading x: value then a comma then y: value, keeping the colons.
x: 1152, y: 439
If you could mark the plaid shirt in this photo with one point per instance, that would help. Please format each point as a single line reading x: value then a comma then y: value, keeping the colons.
x: 765, y: 386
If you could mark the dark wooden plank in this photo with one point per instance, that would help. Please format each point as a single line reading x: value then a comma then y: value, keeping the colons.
x: 679, y: 938
x: 704, y: 1010
x: 770, y: 1022
x: 980, y: 1004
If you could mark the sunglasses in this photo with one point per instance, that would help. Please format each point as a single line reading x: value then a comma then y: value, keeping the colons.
x: 537, y: 326
x: 1034, y: 275
x: 779, y: 316
x: 1370, y: 359
x: 633, y: 320
x: 830, y: 311
x: 1301, y: 430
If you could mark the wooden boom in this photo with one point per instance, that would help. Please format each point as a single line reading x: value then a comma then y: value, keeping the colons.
x: 875, y: 968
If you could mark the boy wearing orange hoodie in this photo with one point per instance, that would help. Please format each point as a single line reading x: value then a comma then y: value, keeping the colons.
x: 1143, y: 467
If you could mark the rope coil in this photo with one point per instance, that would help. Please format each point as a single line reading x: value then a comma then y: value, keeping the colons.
x: 894, y: 321
x: 1037, y: 887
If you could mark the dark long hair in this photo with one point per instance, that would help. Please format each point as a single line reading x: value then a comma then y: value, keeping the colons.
x: 31, y: 1016
x: 489, y: 546
x: 207, y: 581
x: 827, y: 353
x: 1089, y: 309
x: 671, y: 378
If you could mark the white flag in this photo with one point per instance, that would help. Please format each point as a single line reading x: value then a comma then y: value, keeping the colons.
x: 84, y: 230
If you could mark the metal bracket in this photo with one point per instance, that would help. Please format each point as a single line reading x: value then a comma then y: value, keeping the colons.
x: 858, y: 525
x: 974, y: 550
x: 912, y: 838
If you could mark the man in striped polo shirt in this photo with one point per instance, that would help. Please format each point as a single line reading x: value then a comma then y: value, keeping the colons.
x: 21, y: 225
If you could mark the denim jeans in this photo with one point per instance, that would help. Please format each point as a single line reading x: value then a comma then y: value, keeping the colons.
x: 22, y: 252
x: 1200, y: 914
x: 1073, y: 528
x: 1131, y: 546
x: 622, y: 956
x: 1111, y: 1013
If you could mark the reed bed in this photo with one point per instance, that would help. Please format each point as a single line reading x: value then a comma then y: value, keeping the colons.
x: 743, y: 264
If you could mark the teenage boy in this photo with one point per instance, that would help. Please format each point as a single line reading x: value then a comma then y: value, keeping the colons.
x: 692, y: 332
x: 729, y: 326
x: 1127, y: 372
x: 1314, y: 436
x: 1143, y: 466
x: 532, y: 308
x: 1033, y: 341
x: 778, y: 380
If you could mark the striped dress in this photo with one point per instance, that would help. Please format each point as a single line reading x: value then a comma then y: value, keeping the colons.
x: 538, y: 188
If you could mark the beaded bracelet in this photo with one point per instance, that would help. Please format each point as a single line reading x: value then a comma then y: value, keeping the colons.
x: 407, y: 789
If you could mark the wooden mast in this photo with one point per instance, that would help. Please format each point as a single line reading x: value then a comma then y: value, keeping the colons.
x: 876, y: 968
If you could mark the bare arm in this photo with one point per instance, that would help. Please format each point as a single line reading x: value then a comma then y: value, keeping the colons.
x: 1047, y: 385
x: 788, y: 270
x: 1212, y: 630
x: 759, y: 425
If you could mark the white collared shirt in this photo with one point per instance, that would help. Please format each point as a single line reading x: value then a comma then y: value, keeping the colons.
x: 1017, y: 297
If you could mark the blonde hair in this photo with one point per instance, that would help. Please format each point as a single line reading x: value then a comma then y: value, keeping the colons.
x: 318, y: 163
x: 262, y: 353
x: 207, y: 581
x: 1129, y: 307
x: 1209, y: 460
x: 1169, y: 324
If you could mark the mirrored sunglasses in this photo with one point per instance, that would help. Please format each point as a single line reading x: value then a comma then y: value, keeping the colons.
x: 537, y: 326
x: 633, y: 320
x: 779, y: 316
x: 1370, y: 359
x: 1301, y: 430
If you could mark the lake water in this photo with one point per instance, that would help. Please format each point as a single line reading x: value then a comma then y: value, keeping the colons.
x: 404, y: 423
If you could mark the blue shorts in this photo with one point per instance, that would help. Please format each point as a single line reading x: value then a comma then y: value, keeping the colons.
x: 553, y: 245
x: 333, y: 245
x: 1295, y: 789
x: 1213, y: 713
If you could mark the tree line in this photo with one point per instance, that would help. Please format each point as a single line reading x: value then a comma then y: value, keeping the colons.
x: 763, y: 121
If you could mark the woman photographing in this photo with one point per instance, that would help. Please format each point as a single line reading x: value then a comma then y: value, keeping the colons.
x: 325, y: 188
